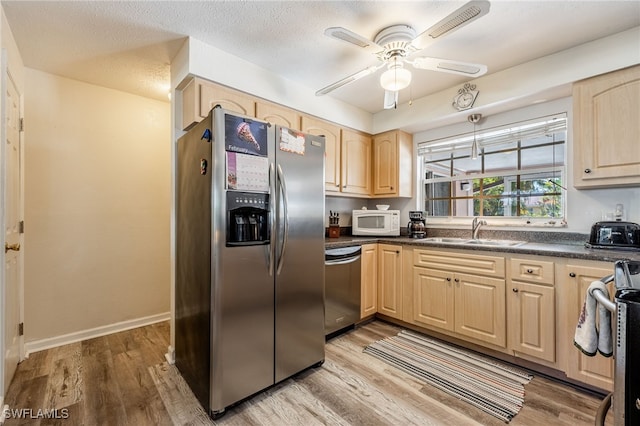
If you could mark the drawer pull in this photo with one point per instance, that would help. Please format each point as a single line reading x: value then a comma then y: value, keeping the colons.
x: 448, y: 279
x: 587, y: 170
x: 529, y: 271
x: 515, y: 290
x: 572, y: 275
x: 457, y: 280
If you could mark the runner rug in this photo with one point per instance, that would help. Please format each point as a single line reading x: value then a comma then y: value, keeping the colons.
x: 483, y: 382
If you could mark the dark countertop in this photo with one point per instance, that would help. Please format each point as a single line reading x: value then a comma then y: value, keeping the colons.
x: 573, y: 250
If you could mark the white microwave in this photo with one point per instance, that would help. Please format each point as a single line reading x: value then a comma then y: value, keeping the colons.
x: 376, y: 223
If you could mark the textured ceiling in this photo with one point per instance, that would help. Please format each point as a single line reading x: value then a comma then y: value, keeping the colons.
x: 129, y: 45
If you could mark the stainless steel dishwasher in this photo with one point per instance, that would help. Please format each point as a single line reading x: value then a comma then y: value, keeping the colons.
x: 341, y: 288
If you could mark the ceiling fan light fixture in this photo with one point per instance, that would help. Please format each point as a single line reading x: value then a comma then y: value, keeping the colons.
x: 395, y: 78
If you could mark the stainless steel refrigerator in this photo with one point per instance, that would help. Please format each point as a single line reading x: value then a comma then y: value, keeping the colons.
x: 249, y: 302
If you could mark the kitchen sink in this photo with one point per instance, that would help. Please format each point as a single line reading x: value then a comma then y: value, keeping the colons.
x: 477, y: 242
x: 494, y: 243
x: 445, y: 240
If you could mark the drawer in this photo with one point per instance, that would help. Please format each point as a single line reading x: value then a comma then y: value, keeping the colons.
x: 493, y: 266
x: 531, y: 270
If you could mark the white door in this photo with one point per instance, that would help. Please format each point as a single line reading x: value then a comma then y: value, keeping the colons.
x: 11, y: 192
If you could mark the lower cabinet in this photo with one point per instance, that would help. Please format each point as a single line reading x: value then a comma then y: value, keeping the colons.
x: 531, y: 310
x: 576, y: 278
x: 468, y: 304
x: 369, y: 280
x: 390, y: 280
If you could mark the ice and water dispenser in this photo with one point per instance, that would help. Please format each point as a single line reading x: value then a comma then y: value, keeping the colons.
x: 247, y: 218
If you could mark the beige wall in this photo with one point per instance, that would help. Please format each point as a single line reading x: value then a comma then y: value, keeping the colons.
x: 97, y: 203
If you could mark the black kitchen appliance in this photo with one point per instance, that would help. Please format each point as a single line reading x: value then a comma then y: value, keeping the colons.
x: 615, y: 234
x: 626, y: 310
x: 417, y: 227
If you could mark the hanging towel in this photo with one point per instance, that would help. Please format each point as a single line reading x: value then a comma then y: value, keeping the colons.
x: 588, y: 338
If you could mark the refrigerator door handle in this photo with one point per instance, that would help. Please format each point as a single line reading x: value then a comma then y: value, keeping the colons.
x: 285, y: 202
x: 272, y: 219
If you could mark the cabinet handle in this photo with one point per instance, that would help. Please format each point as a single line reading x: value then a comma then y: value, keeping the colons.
x: 456, y: 280
x: 391, y: 187
x: 529, y: 271
x: 587, y: 170
x: 515, y: 290
x: 572, y: 275
x: 344, y: 186
x: 397, y: 251
x: 337, y: 185
x: 448, y: 279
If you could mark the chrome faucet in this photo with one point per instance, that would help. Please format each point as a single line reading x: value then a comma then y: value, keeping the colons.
x: 475, y: 227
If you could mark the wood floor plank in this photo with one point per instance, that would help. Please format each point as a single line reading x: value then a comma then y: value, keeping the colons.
x: 102, y: 394
x: 64, y: 387
x: 141, y: 400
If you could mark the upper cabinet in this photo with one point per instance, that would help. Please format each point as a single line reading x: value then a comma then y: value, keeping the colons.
x: 347, y: 157
x: 279, y: 115
x: 356, y: 163
x: 393, y: 164
x: 606, y: 129
x: 331, y: 134
x: 200, y: 96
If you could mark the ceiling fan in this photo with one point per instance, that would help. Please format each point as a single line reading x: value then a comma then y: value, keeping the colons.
x: 395, y: 46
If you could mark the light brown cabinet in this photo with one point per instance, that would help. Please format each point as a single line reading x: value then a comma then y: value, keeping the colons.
x: 369, y: 280
x: 606, y: 129
x: 576, y: 278
x: 347, y: 157
x: 331, y: 133
x: 355, y: 158
x: 390, y: 280
x: 531, y: 318
x: 277, y: 115
x: 451, y: 293
x: 200, y: 96
x: 393, y: 164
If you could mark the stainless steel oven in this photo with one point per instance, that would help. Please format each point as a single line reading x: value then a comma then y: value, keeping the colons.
x: 625, y: 398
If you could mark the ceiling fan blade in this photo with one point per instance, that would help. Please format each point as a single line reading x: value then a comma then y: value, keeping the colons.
x: 390, y: 99
x: 353, y: 77
x: 446, y: 65
x: 349, y: 36
x: 454, y: 21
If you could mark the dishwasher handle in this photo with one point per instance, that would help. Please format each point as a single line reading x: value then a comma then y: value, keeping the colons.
x: 344, y: 261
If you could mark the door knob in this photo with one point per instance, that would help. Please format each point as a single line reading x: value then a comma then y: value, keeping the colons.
x: 14, y: 247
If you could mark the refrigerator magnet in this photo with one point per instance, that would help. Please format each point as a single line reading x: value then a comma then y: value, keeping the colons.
x: 291, y: 141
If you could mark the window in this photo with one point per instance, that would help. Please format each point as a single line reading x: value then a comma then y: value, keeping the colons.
x: 519, y: 172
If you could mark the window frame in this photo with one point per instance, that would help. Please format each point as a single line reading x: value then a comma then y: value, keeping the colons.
x: 457, y: 148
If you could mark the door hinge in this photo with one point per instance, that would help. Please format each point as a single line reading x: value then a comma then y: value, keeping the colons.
x: 22, y: 124
x: 21, y: 227
x: 21, y: 329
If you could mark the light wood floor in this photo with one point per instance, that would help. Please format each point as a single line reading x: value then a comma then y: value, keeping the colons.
x: 123, y: 379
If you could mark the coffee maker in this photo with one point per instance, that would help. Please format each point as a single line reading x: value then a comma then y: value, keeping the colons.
x: 417, y: 227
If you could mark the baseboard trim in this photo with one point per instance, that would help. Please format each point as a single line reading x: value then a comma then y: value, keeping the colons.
x: 65, y: 339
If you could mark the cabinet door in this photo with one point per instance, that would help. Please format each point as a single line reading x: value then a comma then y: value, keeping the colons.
x: 532, y: 320
x: 433, y: 298
x: 277, y: 114
x: 369, y: 280
x: 331, y: 135
x: 385, y: 163
x: 480, y: 308
x: 356, y: 163
x: 199, y: 96
x: 597, y: 370
x: 390, y: 280
x: 607, y: 130
x: 232, y: 100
